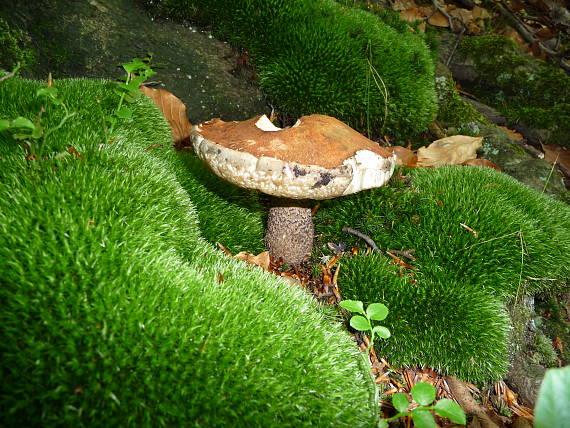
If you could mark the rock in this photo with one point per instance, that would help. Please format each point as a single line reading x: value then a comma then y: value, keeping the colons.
x: 90, y: 38
x: 505, y: 151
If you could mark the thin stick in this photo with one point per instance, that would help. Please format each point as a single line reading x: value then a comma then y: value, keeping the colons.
x: 550, y: 173
x: 362, y: 236
x: 492, y: 239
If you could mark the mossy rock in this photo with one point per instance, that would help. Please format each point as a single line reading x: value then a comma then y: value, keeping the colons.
x: 525, y: 89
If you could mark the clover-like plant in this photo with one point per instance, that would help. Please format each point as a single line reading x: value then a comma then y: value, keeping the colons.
x: 424, y: 395
x: 363, y: 322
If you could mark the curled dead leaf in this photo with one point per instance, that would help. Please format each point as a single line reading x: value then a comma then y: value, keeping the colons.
x: 438, y: 20
x: 452, y: 150
x: 415, y: 13
x: 481, y: 162
x: 404, y: 156
x: 174, y: 112
x: 262, y: 259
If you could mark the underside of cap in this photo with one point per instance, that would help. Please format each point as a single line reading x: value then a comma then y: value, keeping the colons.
x: 359, y: 170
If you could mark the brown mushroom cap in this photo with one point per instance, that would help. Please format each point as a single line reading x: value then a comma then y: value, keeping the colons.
x: 317, y: 158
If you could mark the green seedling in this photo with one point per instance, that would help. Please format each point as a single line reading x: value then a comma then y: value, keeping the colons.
x: 137, y: 72
x: 32, y: 132
x: 424, y: 395
x: 363, y: 322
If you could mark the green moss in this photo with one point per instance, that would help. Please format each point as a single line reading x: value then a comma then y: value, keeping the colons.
x: 521, y: 235
x: 115, y: 311
x: 452, y: 110
x: 313, y: 57
x: 15, y: 48
x: 543, y: 353
x: 525, y: 89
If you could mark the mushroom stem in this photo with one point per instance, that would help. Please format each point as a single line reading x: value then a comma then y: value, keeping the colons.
x: 290, y: 231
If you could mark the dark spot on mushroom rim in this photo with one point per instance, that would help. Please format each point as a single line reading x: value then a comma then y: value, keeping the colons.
x: 326, y: 178
x: 298, y: 171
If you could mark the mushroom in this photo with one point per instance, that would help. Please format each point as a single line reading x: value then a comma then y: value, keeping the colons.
x: 317, y: 158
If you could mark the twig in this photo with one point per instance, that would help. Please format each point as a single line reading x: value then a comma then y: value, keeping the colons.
x: 459, y: 37
x: 362, y: 236
x: 7, y: 76
x: 406, y: 253
x: 529, y: 37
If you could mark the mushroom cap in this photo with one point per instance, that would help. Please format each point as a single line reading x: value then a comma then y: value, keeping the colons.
x: 317, y: 158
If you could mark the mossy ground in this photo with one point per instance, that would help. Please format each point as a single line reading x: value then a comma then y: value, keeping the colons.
x: 449, y: 312
x: 115, y: 310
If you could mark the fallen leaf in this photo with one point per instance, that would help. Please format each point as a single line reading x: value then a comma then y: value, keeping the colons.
x: 438, y: 20
x: 449, y: 151
x: 262, y: 259
x: 464, y: 15
x: 415, y: 13
x: 558, y: 154
x: 480, y: 13
x: 403, y: 4
x: 404, y: 156
x: 174, y: 112
x: 481, y: 162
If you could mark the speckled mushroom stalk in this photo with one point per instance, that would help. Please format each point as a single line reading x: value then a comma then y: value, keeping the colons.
x: 290, y: 231
x: 317, y: 158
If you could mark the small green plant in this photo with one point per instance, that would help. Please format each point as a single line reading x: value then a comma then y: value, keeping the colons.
x: 424, y: 395
x: 32, y: 132
x: 552, y: 410
x: 138, y: 71
x: 363, y: 322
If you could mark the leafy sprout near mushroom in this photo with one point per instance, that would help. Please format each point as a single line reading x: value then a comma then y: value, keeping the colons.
x: 319, y: 157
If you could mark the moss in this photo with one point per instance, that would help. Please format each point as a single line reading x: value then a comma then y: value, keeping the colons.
x: 523, y: 88
x: 15, y: 47
x: 114, y: 311
x: 542, y: 351
x: 518, y: 237
x: 452, y: 110
x: 313, y: 57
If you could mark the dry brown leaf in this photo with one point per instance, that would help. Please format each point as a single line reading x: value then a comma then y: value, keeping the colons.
x: 558, y: 154
x: 481, y: 162
x: 415, y: 13
x: 262, y: 259
x: 464, y: 15
x: 438, y: 20
x: 174, y: 112
x: 404, y: 156
x: 480, y: 13
x: 403, y: 4
x: 452, y: 150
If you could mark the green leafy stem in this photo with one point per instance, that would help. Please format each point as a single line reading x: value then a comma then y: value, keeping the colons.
x: 424, y: 395
x: 363, y: 322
